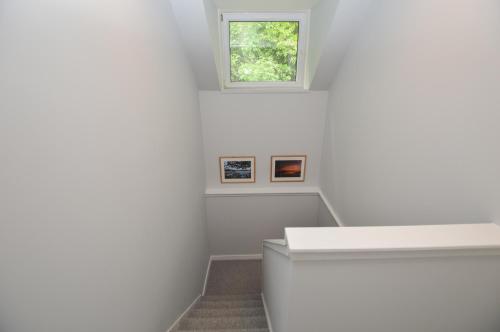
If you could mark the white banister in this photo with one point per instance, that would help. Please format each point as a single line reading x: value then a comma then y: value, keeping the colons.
x: 401, y: 278
x: 394, y: 241
x: 277, y: 245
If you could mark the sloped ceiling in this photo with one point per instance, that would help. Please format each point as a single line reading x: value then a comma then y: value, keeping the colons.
x: 333, y: 24
x: 349, y: 16
x: 192, y: 20
x: 252, y: 5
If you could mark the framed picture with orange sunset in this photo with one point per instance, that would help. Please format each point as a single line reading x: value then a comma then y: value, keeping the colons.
x: 288, y: 168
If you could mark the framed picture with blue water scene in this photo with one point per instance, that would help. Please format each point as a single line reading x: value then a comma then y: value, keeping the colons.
x: 237, y: 169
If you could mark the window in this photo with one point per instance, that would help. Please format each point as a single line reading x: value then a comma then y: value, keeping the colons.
x: 263, y: 50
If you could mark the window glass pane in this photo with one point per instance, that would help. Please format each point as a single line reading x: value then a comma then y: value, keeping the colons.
x: 263, y: 51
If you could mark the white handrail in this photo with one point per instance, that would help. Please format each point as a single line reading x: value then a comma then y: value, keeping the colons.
x: 393, y: 238
x: 277, y: 245
x: 312, y: 278
x: 389, y: 241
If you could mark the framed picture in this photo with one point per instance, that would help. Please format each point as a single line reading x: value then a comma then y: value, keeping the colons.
x: 288, y: 168
x: 237, y: 169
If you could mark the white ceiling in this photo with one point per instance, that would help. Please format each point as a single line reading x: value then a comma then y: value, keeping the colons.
x: 332, y: 27
x: 192, y: 21
x: 265, y: 4
x: 349, y: 16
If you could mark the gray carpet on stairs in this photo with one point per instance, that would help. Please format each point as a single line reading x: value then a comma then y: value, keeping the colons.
x: 232, y: 301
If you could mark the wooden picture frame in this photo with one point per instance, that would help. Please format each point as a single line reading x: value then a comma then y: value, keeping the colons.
x: 237, y: 169
x: 290, y: 168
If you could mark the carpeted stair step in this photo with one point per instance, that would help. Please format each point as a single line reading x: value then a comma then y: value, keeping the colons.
x: 204, y: 304
x: 193, y: 323
x: 232, y: 297
x: 226, y: 330
x: 233, y: 302
x: 228, y: 312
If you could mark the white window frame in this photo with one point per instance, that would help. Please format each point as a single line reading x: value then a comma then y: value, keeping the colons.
x: 301, y: 17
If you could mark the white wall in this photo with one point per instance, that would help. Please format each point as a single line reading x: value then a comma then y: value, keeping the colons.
x: 443, y: 294
x: 101, y: 209
x: 262, y: 125
x: 441, y: 278
x: 195, y: 19
x: 321, y: 18
x: 413, y: 125
x: 276, y: 283
x: 348, y: 17
x: 325, y: 218
x: 237, y: 224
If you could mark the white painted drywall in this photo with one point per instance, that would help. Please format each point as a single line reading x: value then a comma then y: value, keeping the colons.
x: 237, y: 224
x: 101, y: 209
x: 259, y: 5
x: 212, y: 19
x: 348, y: 17
x: 447, y: 294
x: 321, y: 19
x: 325, y: 218
x: 195, y: 21
x: 442, y: 278
x: 262, y: 125
x: 276, y: 283
x: 413, y: 123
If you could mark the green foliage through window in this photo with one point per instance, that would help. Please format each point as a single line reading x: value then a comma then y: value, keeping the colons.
x: 263, y: 51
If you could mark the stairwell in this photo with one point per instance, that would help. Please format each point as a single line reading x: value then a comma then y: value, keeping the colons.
x: 232, y: 300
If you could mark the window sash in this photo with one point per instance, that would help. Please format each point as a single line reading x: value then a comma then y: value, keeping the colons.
x: 300, y: 17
